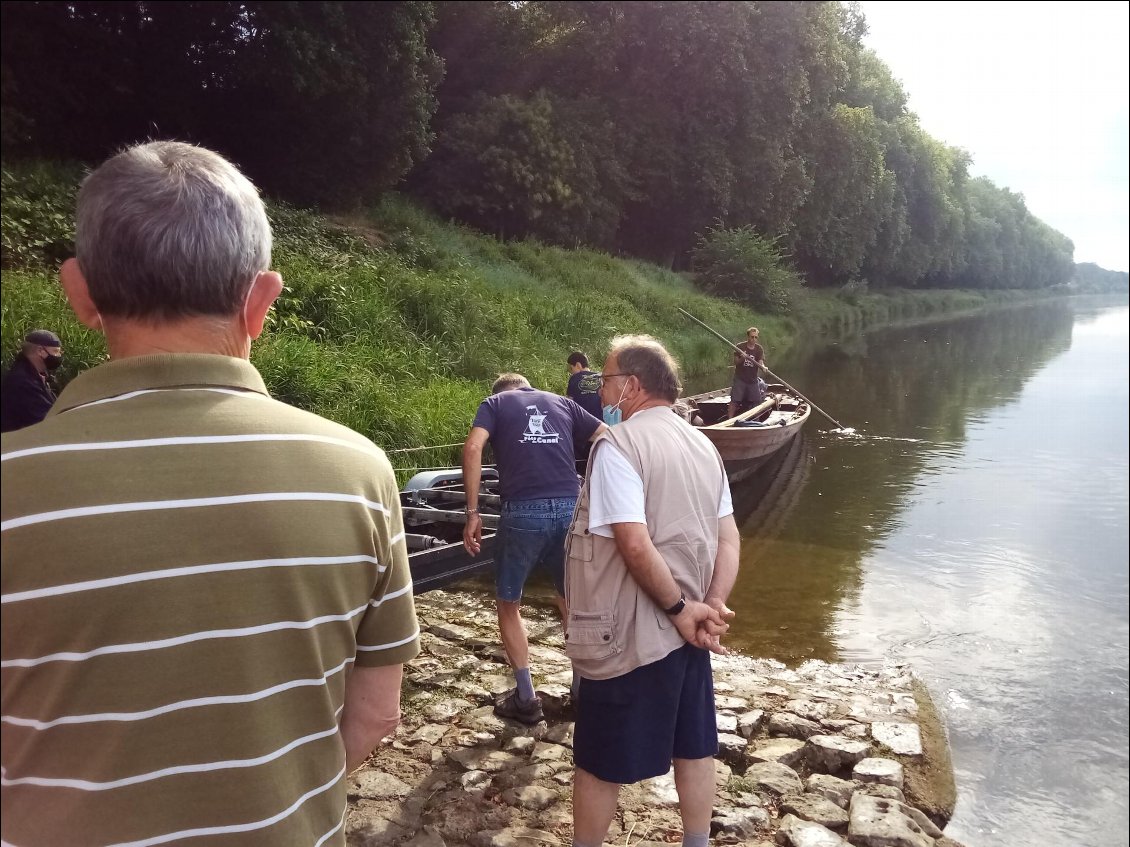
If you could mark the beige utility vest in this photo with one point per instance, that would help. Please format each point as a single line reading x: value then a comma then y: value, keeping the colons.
x: 614, y: 626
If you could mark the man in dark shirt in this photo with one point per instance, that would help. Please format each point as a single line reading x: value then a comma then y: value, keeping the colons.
x: 748, y: 388
x: 26, y: 396
x: 532, y: 433
x: 584, y: 388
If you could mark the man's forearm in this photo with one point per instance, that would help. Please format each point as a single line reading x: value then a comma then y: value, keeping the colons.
x: 646, y: 565
x: 472, y: 471
x: 371, y: 711
x: 725, y: 562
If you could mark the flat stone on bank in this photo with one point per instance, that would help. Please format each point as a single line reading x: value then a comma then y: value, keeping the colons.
x: 750, y: 722
x: 815, y: 808
x: 518, y: 836
x: 429, y: 732
x: 832, y: 753
x: 876, y: 822
x: 482, y: 759
x: 903, y: 739
x: 787, y: 751
x: 793, y: 726
x: 561, y: 733
x: 775, y: 778
x: 533, y: 797
x: 726, y: 723
x: 742, y: 823
x: 520, y: 744
x: 730, y: 747
x: 832, y: 788
x: 446, y: 710
x: 452, y: 632
x: 427, y: 837
x: 795, y: 832
x: 883, y: 771
x: 376, y: 785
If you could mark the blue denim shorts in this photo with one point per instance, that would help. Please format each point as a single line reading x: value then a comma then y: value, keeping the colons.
x: 531, y: 533
x: 630, y: 727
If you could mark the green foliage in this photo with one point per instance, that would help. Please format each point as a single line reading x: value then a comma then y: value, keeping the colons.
x: 741, y: 265
x: 1091, y: 279
x: 37, y: 215
x: 324, y: 103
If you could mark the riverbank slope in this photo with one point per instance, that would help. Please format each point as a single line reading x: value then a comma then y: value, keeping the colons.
x: 394, y: 322
x: 820, y: 755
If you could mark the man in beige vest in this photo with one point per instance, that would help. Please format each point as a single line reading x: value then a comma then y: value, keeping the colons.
x: 207, y: 603
x: 651, y: 557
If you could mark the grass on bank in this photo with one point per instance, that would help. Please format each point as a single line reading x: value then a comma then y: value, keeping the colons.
x: 394, y: 323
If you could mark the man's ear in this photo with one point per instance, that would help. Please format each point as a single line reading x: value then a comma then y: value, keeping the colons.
x: 78, y: 294
x: 264, y: 290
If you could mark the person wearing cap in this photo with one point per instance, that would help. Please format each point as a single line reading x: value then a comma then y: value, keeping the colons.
x: 26, y: 395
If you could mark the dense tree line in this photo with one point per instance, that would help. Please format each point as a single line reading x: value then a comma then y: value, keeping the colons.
x: 630, y: 126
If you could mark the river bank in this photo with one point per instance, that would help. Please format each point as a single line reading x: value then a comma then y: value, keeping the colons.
x: 819, y: 756
x: 394, y: 322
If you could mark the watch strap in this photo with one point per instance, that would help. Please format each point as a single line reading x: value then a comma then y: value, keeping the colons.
x: 679, y: 606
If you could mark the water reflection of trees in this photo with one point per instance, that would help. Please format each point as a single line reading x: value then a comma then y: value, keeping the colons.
x: 911, y: 392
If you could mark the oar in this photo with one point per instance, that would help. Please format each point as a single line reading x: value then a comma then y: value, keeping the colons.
x: 727, y: 341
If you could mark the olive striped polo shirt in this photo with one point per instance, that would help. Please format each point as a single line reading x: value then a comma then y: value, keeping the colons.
x: 190, y: 569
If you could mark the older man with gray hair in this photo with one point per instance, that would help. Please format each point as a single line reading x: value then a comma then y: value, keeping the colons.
x: 207, y: 603
x: 651, y: 557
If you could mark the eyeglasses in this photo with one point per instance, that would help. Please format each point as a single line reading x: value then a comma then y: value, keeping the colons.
x: 604, y: 377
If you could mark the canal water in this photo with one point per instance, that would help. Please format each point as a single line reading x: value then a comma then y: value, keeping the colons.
x: 975, y: 526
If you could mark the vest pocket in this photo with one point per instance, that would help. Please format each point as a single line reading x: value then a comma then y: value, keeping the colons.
x: 591, y: 635
x: 579, y: 545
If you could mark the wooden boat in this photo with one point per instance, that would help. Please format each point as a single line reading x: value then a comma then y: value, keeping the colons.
x: 433, y: 503
x: 746, y: 441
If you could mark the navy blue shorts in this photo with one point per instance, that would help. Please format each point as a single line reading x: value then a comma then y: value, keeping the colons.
x: 531, y: 533
x: 630, y: 727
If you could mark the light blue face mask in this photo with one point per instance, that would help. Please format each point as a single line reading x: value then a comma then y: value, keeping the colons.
x: 613, y: 414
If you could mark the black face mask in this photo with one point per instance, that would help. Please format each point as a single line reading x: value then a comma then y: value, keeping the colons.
x: 52, y: 362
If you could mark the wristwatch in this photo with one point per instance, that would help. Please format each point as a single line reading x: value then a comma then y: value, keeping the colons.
x: 678, y: 607
x: 470, y: 511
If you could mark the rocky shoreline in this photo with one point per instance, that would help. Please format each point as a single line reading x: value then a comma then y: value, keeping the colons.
x: 820, y: 756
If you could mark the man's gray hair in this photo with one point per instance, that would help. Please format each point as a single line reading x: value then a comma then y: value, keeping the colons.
x: 506, y: 382
x: 169, y: 230
x: 648, y: 361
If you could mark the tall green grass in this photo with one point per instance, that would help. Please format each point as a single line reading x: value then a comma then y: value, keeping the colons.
x: 394, y: 323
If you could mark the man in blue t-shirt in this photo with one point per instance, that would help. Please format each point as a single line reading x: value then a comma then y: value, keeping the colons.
x: 532, y: 433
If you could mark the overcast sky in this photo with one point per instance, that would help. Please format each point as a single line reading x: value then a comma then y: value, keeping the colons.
x: 1036, y: 92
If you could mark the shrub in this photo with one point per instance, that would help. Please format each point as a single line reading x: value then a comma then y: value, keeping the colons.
x: 742, y: 265
x: 37, y: 215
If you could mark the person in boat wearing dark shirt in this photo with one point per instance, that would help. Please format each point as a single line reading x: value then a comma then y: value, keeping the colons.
x: 748, y: 388
x: 26, y: 395
x: 584, y: 389
x: 532, y: 433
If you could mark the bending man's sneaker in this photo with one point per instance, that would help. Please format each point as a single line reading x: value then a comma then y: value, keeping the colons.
x: 528, y: 712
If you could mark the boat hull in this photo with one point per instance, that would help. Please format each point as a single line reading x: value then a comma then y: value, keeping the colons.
x: 746, y: 445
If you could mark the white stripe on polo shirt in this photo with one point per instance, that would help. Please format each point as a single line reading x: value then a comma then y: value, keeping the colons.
x: 183, y: 440
x: 188, y: 638
x: 180, y: 705
x: 191, y: 503
x: 200, y: 767
x: 192, y: 570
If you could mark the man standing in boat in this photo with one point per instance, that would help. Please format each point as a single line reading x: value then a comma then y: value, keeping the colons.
x: 651, y: 558
x: 532, y: 433
x: 748, y: 388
